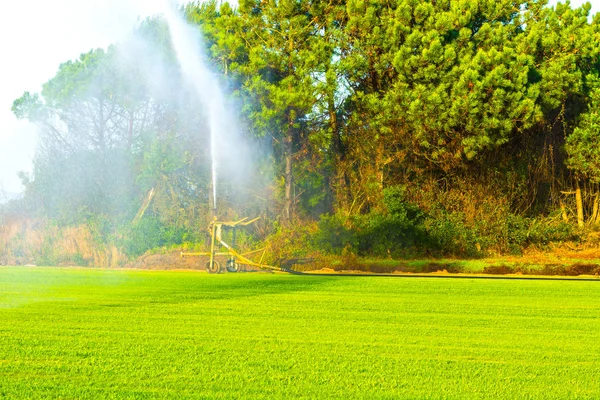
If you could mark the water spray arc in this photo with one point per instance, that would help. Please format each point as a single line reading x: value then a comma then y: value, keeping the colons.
x: 186, y: 43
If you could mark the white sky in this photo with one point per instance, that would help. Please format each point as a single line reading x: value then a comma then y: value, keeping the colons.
x: 36, y: 36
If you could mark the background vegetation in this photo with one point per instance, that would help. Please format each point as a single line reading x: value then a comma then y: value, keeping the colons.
x: 397, y: 129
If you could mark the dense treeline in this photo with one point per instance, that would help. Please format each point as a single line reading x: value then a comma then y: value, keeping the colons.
x: 390, y: 128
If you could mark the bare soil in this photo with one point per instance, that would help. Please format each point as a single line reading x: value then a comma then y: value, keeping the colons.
x: 167, y: 261
x: 559, y: 262
x: 174, y: 260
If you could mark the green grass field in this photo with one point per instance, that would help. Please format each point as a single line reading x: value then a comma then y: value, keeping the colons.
x: 82, y: 333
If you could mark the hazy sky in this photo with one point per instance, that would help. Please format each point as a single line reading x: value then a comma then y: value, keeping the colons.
x: 36, y: 36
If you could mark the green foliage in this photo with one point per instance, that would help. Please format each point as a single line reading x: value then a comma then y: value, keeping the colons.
x: 404, y: 230
x: 523, y: 232
x: 53, y: 256
x: 151, y: 233
x: 582, y: 145
x: 351, y: 109
x: 544, y: 232
x: 450, y: 236
x: 335, y: 233
x: 397, y: 231
x: 290, y: 243
x: 28, y: 107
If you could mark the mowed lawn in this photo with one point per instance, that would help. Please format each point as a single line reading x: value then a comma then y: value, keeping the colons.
x: 84, y: 333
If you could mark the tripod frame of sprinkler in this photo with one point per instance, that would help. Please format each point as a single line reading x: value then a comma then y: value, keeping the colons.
x: 218, y: 247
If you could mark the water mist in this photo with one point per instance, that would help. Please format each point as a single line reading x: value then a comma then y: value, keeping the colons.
x: 186, y: 43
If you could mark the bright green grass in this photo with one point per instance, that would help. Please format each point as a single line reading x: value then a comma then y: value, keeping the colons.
x: 79, y: 333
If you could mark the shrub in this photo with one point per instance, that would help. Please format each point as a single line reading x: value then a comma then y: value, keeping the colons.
x: 402, y: 229
x: 546, y: 231
x: 398, y: 231
x: 523, y: 232
x: 289, y: 244
x: 449, y: 236
x: 334, y: 234
x: 395, y: 231
x: 150, y: 233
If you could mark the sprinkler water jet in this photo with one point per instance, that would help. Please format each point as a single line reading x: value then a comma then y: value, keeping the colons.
x: 188, y: 49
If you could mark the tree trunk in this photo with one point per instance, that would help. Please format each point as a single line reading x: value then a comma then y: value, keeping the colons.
x: 563, y: 212
x: 130, y: 132
x: 338, y: 186
x: 579, y: 201
x: 288, y: 147
x: 594, y: 216
x: 289, y: 201
x: 144, y: 206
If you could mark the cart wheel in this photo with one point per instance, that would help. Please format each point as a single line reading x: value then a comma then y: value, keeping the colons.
x: 216, y: 267
x: 232, y: 266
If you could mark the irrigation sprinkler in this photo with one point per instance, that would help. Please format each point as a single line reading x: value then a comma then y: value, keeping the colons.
x: 218, y: 247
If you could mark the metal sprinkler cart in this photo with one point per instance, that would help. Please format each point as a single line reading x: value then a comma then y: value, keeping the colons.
x: 235, y: 259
